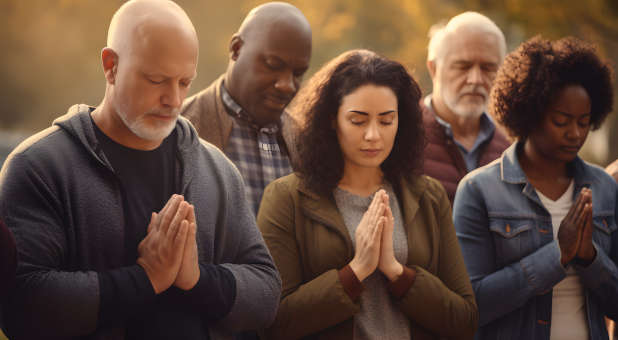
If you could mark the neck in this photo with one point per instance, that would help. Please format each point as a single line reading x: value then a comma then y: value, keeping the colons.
x: 361, y: 181
x: 107, y: 120
x: 537, y: 166
x: 464, y: 127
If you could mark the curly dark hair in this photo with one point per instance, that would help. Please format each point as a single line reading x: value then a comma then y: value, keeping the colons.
x: 537, y: 70
x: 320, y: 157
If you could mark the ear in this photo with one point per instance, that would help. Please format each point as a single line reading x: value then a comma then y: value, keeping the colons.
x: 109, y: 59
x: 235, y: 45
x: 431, y: 66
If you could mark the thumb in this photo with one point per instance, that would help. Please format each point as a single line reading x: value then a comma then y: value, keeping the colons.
x: 153, y: 218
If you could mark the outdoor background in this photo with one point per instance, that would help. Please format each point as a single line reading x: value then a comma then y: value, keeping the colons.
x: 51, y: 48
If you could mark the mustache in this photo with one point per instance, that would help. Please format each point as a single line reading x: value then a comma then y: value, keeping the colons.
x: 164, y: 112
x: 474, y: 90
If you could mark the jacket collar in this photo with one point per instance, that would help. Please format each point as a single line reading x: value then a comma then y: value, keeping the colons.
x: 77, y: 123
x: 324, y: 209
x: 511, y: 172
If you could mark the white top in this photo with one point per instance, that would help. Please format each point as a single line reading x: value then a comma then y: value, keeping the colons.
x: 568, y: 308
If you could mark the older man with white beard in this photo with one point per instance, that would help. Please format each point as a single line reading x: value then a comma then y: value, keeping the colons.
x: 127, y: 224
x: 463, y: 58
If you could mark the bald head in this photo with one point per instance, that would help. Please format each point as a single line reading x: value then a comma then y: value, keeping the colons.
x: 464, y: 23
x: 272, y: 15
x: 268, y: 57
x: 136, y: 19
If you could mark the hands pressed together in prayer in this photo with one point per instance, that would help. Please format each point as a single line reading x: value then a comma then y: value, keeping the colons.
x: 575, y: 233
x: 374, y: 241
x: 168, y: 253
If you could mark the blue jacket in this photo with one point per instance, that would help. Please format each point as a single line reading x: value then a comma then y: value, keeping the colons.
x: 513, y: 261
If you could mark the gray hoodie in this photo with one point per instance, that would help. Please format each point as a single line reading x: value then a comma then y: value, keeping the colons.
x: 62, y: 201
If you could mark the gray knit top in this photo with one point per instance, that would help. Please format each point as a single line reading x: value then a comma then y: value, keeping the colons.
x: 379, y: 317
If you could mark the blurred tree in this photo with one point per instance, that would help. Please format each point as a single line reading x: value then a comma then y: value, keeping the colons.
x: 52, y: 47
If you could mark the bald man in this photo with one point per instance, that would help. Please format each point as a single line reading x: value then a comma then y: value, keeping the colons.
x: 127, y: 225
x: 242, y: 112
x: 463, y: 59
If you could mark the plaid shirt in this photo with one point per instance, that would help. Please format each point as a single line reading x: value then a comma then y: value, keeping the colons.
x: 255, y: 151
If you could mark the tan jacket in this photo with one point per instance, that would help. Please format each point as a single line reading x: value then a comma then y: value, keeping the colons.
x: 207, y: 113
x: 309, y: 242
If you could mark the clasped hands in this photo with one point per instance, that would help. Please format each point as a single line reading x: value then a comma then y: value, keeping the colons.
x: 374, y: 241
x: 575, y: 233
x: 168, y: 253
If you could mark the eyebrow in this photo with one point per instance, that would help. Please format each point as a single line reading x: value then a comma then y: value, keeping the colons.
x: 367, y: 114
x: 570, y: 114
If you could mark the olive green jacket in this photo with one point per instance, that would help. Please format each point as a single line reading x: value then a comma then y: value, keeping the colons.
x: 309, y: 242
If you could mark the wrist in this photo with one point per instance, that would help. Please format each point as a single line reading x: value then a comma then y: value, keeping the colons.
x: 393, y: 271
x: 358, y: 271
x: 151, y: 276
x: 187, y: 284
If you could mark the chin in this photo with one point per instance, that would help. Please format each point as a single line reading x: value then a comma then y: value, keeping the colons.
x: 152, y: 133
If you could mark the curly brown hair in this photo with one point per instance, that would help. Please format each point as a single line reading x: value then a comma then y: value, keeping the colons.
x: 537, y: 70
x: 320, y: 157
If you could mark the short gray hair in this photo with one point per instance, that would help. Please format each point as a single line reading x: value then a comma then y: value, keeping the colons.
x: 471, y: 20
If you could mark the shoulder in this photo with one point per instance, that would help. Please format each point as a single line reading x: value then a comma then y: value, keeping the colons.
x: 599, y: 178
x: 284, y: 186
x: 489, y: 173
x: 42, y: 148
x: 499, y: 142
x: 201, y: 102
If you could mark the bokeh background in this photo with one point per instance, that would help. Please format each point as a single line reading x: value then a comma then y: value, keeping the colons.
x: 50, y: 48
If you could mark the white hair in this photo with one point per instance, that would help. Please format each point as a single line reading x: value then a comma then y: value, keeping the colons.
x: 467, y: 20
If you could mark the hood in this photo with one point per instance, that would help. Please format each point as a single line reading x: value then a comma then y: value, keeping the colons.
x: 78, y: 124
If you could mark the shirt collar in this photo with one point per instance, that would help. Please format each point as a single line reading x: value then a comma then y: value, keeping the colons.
x: 236, y: 111
x: 511, y: 171
x: 486, y: 129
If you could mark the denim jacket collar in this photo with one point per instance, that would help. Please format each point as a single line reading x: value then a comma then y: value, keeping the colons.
x: 511, y: 172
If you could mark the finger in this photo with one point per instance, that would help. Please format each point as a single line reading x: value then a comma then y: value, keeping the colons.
x: 163, y: 214
x: 377, y: 235
x: 572, y: 213
x: 191, y: 214
x: 579, y: 209
x: 153, y: 222
x: 170, y: 214
x: 181, y: 214
x: 180, y: 240
x: 388, y: 213
x: 580, y: 221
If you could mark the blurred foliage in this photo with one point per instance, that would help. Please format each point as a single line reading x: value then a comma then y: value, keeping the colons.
x: 52, y: 47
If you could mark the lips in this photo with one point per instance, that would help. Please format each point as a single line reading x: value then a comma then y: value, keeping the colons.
x: 371, y: 152
x: 570, y: 149
x: 277, y: 102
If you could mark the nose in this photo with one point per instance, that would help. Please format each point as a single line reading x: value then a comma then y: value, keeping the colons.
x: 372, y: 132
x: 286, y: 83
x: 575, y: 131
x: 475, y: 75
x: 173, y: 96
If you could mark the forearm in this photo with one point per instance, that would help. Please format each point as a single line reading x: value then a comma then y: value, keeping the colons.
x: 124, y: 292
x: 601, y: 278
x: 432, y: 305
x: 314, y: 306
x: 533, y: 275
x: 212, y: 297
x: 49, y: 303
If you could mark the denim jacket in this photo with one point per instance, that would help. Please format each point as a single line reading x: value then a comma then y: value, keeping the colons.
x: 512, y: 258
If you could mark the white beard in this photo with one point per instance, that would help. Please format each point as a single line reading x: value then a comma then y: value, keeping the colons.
x: 140, y: 128
x: 466, y: 109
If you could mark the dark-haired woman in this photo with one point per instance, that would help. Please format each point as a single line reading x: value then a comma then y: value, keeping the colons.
x: 365, y: 246
x: 537, y: 227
